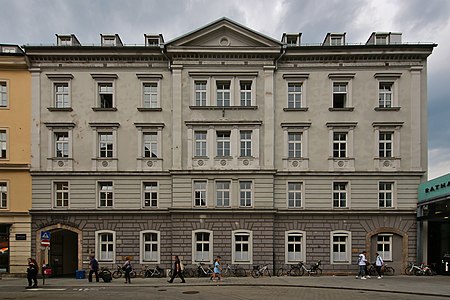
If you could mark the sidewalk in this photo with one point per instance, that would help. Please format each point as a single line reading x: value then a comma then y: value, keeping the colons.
x: 419, y: 285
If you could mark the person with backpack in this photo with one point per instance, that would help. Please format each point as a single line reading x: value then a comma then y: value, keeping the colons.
x: 127, y: 268
x: 177, y: 270
x: 362, y: 262
x: 32, y: 272
x: 378, y: 264
x: 93, y: 268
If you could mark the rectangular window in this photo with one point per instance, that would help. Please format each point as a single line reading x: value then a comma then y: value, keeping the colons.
x: 385, y: 144
x: 200, y: 144
x: 246, y: 143
x: 3, y: 195
x: 202, y: 245
x: 223, y: 143
x: 106, y: 247
x: 223, y: 193
x: 339, y: 144
x: 339, y: 94
x: 385, y: 94
x: 150, y: 143
x: 3, y: 94
x: 150, y: 96
x: 200, y: 93
x: 106, y: 194
x: 381, y: 40
x: 62, y: 144
x: 223, y: 93
x: 294, y: 194
x: 246, y: 93
x: 385, y: 192
x: 150, y: 194
x: 294, y: 145
x: 151, y: 253
x: 106, y: 144
x: 294, y: 95
x: 3, y: 143
x: 340, y: 249
x: 62, y: 99
x: 61, y: 194
x: 294, y: 247
x: 242, y: 247
x: 245, y: 193
x: 384, y: 246
x: 105, y: 95
x: 200, y: 193
x: 340, y: 194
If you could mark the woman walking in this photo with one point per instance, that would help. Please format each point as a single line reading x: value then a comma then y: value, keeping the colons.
x: 127, y: 268
x: 176, y: 270
x: 32, y: 272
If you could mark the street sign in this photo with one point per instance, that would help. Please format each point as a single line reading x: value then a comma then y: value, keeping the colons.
x: 45, y: 238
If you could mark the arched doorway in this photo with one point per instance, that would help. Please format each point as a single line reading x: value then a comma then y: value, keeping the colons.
x: 63, y: 254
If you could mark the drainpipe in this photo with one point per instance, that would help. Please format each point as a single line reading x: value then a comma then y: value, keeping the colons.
x: 163, y: 52
x: 283, y: 52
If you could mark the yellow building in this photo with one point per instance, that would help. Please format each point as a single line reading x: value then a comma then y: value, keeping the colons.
x: 15, y: 179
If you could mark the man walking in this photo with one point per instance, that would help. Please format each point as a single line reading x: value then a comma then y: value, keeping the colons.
x: 362, y: 261
x: 93, y: 268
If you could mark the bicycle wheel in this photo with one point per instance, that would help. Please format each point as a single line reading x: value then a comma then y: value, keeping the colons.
x: 300, y: 272
x: 280, y: 272
x: 389, y: 271
x: 189, y: 272
x: 267, y: 272
x: 317, y: 272
x: 240, y: 272
x: 428, y: 272
x: 295, y: 271
x: 409, y: 271
x: 255, y: 273
x: 116, y: 274
x: 142, y: 273
x: 133, y: 274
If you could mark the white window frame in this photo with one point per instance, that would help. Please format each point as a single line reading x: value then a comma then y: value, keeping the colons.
x: 223, y: 192
x: 210, y: 243
x: 235, y: 258
x: 206, y: 91
x: 295, y: 192
x: 346, y: 192
x: 56, y: 191
x: 387, y: 78
x: 65, y: 104
x: 336, y: 40
x: 152, y: 104
x: 342, y: 128
x: 99, y: 191
x: 153, y: 143
x: 4, y: 94
x: 4, y: 195
x: 296, y: 144
x: 295, y: 94
x: 142, y: 244
x: 66, y: 143
x: 392, y: 191
x: 223, y: 92
x: 203, y: 143
x: 245, y: 143
x: 348, y: 251
x: 107, y: 143
x: 203, y: 192
x: 383, y: 94
x: 247, y: 100
x: 295, y: 128
x: 153, y: 190
x: 302, y: 255
x: 340, y: 92
x: 111, y: 92
x: 4, y: 143
x: 339, y: 142
x: 383, y: 144
x: 395, y: 130
x: 223, y: 142
x: 246, y: 193
x: 385, y: 255
x: 104, y: 128
x: 98, y: 244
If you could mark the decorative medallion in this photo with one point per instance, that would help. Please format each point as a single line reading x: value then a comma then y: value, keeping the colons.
x: 245, y: 162
x: 387, y: 163
x: 104, y: 163
x: 340, y: 163
x: 150, y: 163
x: 224, y: 42
x: 200, y: 162
x: 60, y: 163
x: 295, y: 163
x: 223, y: 162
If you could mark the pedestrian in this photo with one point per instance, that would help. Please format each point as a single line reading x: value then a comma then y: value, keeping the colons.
x: 32, y: 272
x: 127, y: 267
x: 362, y: 262
x: 378, y: 264
x: 217, y: 273
x: 176, y: 270
x: 93, y: 268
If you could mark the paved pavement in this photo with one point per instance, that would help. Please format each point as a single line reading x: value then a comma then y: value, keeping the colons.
x: 438, y: 286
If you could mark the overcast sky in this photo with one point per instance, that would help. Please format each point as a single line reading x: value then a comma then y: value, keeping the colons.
x: 37, y: 22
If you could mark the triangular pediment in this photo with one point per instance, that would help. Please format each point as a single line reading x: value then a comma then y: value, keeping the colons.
x: 224, y: 33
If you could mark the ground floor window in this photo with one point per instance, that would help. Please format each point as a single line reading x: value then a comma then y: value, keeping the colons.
x: 202, y: 246
x: 294, y: 246
x: 384, y: 246
x: 242, y: 247
x: 340, y: 246
x: 106, y: 246
x: 150, y: 246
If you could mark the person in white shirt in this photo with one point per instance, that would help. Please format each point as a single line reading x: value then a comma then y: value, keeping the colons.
x: 362, y: 261
x: 378, y: 264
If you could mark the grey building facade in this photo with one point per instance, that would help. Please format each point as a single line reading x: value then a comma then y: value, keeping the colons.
x: 227, y: 142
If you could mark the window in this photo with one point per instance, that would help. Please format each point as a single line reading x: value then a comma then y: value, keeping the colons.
x: 336, y: 41
x: 150, y: 247
x: 385, y: 144
x: 3, y: 195
x: 223, y: 93
x: 150, y: 143
x: 246, y: 143
x: 340, y: 194
x: 295, y: 247
x: 200, y: 93
x: 294, y: 95
x: 339, y: 94
x: 223, y: 193
x: 62, y: 144
x: 105, y: 194
x: 200, y: 144
x: 62, y: 98
x: 242, y: 247
x: 245, y: 193
x: 202, y: 246
x: 65, y: 41
x: 223, y: 143
x: 150, y: 190
x: 384, y: 246
x: 3, y: 94
x: 341, y: 245
x: 246, y: 93
x: 294, y: 194
x: 61, y: 190
x: 385, y: 194
x: 105, y: 245
x: 105, y: 144
x: 294, y: 145
x: 339, y: 144
x: 109, y: 41
x: 385, y: 94
x: 200, y: 193
x: 105, y: 95
x: 3, y: 143
x: 381, y: 40
x: 150, y: 95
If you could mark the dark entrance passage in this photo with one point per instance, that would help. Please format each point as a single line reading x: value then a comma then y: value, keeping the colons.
x: 63, y: 256
x: 4, y: 248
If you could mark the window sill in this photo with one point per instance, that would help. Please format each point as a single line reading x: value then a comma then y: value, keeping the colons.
x: 223, y: 107
x: 59, y: 108
x: 387, y: 108
x: 295, y: 109
x: 104, y: 109
x: 149, y: 109
x: 341, y: 109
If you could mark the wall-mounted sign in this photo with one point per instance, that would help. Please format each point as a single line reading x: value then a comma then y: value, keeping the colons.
x: 435, y: 188
x: 21, y: 237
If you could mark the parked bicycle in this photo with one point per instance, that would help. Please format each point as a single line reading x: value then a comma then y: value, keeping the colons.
x: 148, y: 272
x: 385, y: 270
x: 187, y: 272
x: 413, y: 269
x: 119, y: 273
x: 314, y: 270
x: 203, y: 270
x: 294, y: 270
x: 105, y: 274
x: 257, y: 271
x: 233, y: 271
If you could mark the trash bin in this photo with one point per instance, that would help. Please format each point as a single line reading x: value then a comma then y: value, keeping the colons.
x: 445, y: 264
x: 80, y: 274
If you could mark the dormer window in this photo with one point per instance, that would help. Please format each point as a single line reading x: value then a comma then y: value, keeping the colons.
x: 291, y: 41
x: 108, y: 41
x: 152, y: 42
x: 336, y: 41
x: 7, y: 49
x: 381, y: 40
x: 65, y: 41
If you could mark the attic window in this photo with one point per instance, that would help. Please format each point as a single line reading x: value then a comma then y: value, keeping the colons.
x: 152, y: 42
x: 109, y: 41
x: 292, y: 40
x: 65, y: 41
x: 224, y: 42
x: 336, y: 41
x: 381, y: 40
x: 9, y: 49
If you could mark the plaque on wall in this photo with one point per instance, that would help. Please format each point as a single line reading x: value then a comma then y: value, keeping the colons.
x: 21, y: 237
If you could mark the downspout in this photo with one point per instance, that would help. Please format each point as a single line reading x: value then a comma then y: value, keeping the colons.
x: 283, y: 52
x: 162, y: 47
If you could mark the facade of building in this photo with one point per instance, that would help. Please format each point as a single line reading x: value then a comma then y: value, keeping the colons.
x: 15, y: 178
x: 227, y: 142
